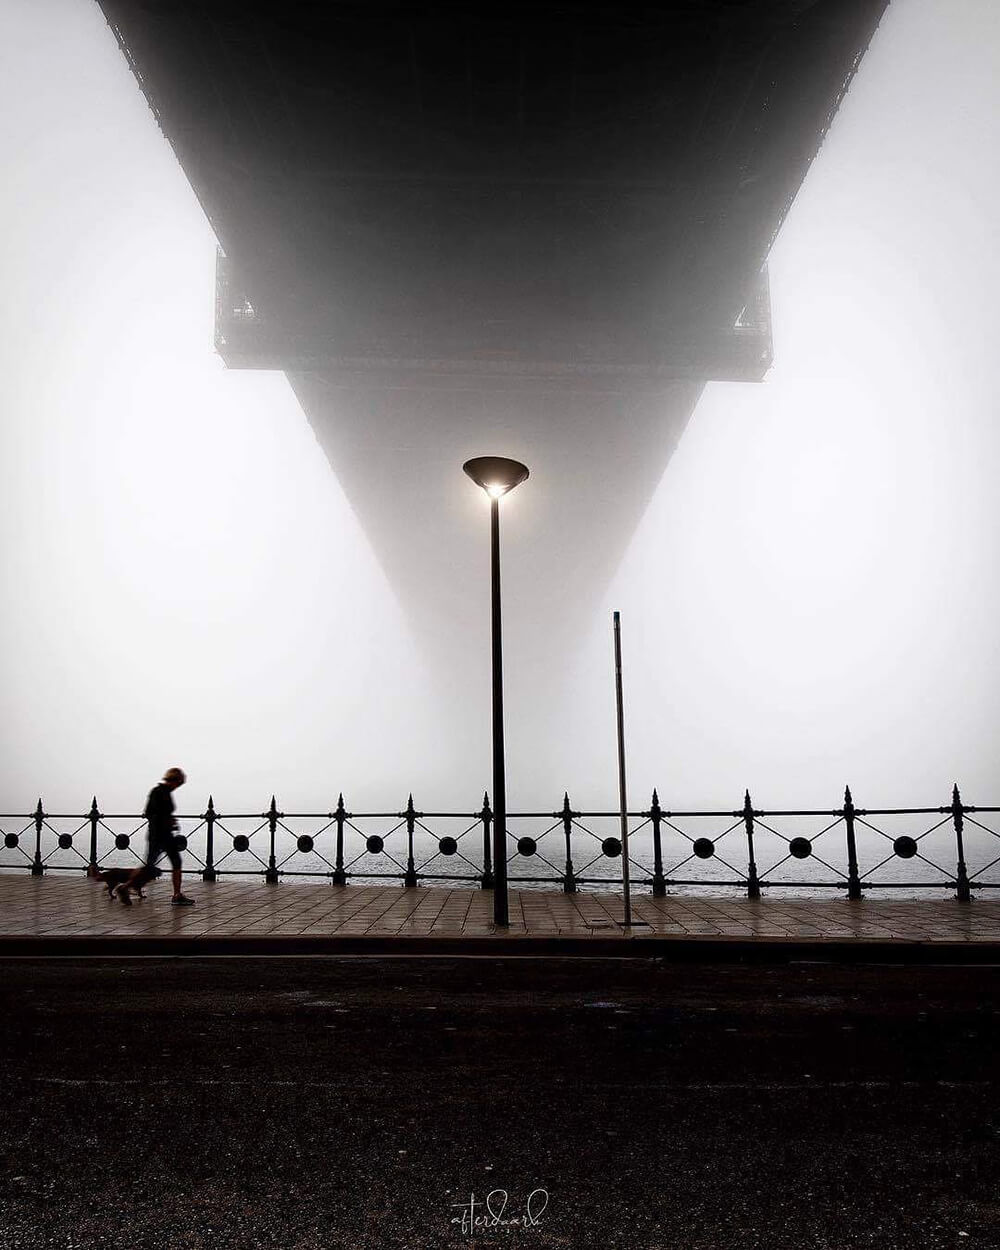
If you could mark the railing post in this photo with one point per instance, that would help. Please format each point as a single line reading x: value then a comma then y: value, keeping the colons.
x: 963, y: 892
x: 37, y: 867
x: 339, y: 876
x: 753, y: 885
x: 569, y: 880
x: 94, y: 816
x: 271, y: 876
x: 486, y: 816
x: 656, y: 815
x: 208, y: 873
x: 411, y: 820
x: 853, y: 880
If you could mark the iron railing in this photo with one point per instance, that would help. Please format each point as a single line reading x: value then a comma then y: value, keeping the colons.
x: 566, y: 847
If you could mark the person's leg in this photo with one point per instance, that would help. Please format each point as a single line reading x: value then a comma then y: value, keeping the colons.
x: 174, y: 855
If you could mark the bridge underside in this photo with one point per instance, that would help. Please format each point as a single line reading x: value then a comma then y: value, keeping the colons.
x: 525, y: 229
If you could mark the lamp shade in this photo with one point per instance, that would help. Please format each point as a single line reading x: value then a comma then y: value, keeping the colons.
x: 496, y: 474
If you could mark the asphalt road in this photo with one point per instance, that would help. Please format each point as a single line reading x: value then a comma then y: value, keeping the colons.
x: 319, y: 1104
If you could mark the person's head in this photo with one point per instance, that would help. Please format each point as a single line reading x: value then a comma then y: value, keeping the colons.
x: 174, y: 777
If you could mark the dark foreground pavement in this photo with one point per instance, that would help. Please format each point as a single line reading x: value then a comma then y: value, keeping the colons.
x: 355, y: 1103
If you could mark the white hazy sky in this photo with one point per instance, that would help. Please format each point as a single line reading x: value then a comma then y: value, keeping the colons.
x: 811, y: 598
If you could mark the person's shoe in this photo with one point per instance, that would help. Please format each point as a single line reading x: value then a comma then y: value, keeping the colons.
x: 182, y: 900
x: 122, y: 892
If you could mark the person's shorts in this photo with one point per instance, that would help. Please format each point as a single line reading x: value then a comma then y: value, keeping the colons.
x: 162, y: 844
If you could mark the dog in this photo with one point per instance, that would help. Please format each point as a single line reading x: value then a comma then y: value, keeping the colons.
x: 113, y: 878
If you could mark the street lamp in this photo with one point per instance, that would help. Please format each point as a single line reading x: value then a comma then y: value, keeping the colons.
x: 497, y: 476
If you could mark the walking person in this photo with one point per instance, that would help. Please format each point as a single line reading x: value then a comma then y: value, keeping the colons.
x: 162, y: 841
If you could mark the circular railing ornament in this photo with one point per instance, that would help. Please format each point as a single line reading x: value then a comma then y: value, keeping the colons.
x: 800, y: 848
x: 241, y: 843
x: 611, y: 847
x: 704, y: 848
x: 526, y: 846
x: 180, y: 841
x: 304, y: 842
x: 447, y: 846
x: 65, y: 841
x: 905, y: 846
x: 375, y: 844
x: 10, y: 840
x: 122, y: 841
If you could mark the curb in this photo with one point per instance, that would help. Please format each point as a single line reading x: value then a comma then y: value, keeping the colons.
x: 708, y: 949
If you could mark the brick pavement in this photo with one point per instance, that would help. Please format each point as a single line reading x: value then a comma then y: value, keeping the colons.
x: 62, y: 909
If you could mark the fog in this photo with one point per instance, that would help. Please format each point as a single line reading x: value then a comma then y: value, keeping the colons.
x: 809, y: 600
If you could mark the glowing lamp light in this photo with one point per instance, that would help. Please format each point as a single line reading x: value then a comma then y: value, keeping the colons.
x: 496, y: 474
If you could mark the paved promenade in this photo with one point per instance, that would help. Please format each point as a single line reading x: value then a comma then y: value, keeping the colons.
x: 68, y: 915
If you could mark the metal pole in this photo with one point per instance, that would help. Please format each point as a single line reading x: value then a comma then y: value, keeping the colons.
x: 963, y: 893
x: 656, y: 815
x: 208, y: 873
x: 753, y: 884
x: 94, y: 818
x: 37, y: 867
x: 623, y: 801
x: 853, y: 879
x: 410, y: 877
x: 569, y: 879
x: 500, y: 913
x: 271, y: 875
x: 486, y: 816
x: 339, y: 876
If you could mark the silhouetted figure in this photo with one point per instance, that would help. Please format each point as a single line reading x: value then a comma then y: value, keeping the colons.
x: 162, y: 841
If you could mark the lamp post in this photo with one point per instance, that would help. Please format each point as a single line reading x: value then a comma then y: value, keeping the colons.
x: 497, y: 476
